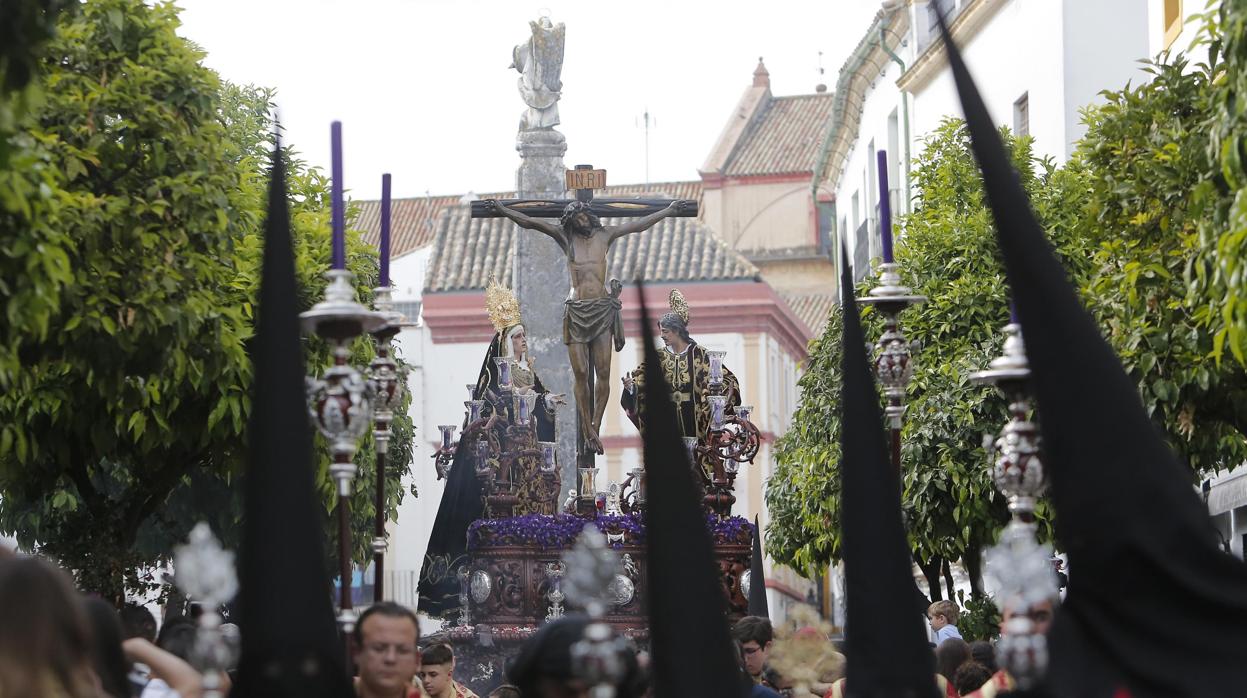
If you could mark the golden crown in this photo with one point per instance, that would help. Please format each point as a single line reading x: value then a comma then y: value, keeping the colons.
x: 502, y: 305
x: 678, y: 305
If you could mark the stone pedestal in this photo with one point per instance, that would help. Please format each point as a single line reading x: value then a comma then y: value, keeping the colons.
x: 541, y: 283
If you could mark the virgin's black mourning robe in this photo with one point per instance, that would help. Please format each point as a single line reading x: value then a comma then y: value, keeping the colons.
x: 462, y: 502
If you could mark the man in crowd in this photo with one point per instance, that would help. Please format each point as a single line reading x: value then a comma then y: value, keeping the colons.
x: 437, y: 669
x: 386, y: 652
x: 754, y: 635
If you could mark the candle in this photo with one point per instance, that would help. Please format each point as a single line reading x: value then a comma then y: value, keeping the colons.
x: 339, y: 211
x: 716, y: 367
x: 385, y: 229
x: 530, y: 402
x: 587, y: 489
x: 504, y: 372
x: 474, y: 409
x: 482, y: 456
x: 1013, y: 313
x: 690, y: 446
x: 885, y: 208
x: 718, y: 407
x: 744, y: 411
x: 448, y: 435
x: 523, y: 406
x: 548, y: 458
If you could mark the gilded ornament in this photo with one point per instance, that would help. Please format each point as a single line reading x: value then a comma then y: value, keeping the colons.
x: 502, y: 305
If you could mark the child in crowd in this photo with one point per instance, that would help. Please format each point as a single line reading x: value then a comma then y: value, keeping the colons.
x: 943, y: 617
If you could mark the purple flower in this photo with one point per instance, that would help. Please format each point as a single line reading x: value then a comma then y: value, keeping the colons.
x: 560, y: 531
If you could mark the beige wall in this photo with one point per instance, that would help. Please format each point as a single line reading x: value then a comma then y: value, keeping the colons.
x: 761, y: 215
x: 807, y: 275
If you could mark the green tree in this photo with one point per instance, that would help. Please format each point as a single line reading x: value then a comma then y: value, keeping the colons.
x: 26, y: 26
x: 1148, y: 216
x: 1156, y: 200
x: 1219, y: 275
x: 124, y: 367
x: 948, y: 254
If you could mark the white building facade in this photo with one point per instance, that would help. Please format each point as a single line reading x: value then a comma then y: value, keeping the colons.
x: 1037, y: 64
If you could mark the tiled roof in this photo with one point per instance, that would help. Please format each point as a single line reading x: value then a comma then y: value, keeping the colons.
x: 413, y: 221
x: 466, y: 251
x: 811, y: 308
x: 784, y: 138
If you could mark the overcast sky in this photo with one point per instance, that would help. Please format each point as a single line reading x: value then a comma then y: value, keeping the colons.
x: 424, y: 91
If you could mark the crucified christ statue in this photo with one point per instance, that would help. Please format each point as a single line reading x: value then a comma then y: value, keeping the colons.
x: 591, y: 318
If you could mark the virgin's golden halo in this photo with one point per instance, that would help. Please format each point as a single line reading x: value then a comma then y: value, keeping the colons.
x: 502, y: 305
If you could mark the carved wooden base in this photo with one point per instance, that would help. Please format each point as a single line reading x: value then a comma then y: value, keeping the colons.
x: 509, y: 583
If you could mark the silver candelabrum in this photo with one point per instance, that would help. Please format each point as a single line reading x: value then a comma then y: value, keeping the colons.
x: 894, y: 364
x: 387, y: 389
x: 341, y: 404
x: 592, y: 582
x: 204, y: 571
x: 1020, y: 566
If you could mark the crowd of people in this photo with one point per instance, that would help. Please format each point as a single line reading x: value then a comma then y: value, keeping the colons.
x: 58, y: 642
x: 963, y: 669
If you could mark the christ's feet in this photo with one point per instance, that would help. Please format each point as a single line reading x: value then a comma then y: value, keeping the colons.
x: 592, y: 443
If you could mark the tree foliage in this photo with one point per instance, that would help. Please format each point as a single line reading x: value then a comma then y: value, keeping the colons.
x: 26, y: 27
x: 948, y: 254
x: 1149, y: 216
x: 1154, y: 192
x: 137, y: 240
x: 1219, y: 281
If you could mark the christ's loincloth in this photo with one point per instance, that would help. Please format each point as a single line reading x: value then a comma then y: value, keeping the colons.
x: 586, y: 320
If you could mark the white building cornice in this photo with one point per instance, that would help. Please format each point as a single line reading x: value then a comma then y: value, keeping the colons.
x: 973, y: 17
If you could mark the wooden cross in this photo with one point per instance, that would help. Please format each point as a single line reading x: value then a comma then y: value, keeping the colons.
x: 583, y: 180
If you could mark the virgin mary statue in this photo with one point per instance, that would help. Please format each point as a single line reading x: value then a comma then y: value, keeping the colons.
x: 462, y: 501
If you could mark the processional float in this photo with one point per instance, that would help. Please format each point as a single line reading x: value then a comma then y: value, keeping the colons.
x: 524, y: 567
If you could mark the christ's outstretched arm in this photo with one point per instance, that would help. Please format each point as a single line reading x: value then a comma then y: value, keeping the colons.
x: 531, y: 223
x: 639, y: 224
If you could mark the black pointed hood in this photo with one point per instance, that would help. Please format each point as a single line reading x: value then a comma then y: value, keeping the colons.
x: 692, y: 646
x: 886, y: 650
x: 290, y: 645
x: 1152, y: 604
x: 758, y: 605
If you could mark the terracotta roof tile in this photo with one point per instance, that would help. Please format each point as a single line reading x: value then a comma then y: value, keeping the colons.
x: 784, y: 138
x: 467, y: 250
x: 413, y: 221
x: 811, y: 308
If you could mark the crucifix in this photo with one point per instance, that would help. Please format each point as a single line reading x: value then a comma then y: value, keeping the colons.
x: 591, y: 314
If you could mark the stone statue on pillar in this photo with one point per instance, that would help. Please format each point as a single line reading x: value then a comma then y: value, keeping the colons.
x: 540, y: 63
x: 540, y: 285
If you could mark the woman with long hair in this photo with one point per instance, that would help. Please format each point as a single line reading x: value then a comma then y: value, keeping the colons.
x: 107, y: 656
x: 45, y: 640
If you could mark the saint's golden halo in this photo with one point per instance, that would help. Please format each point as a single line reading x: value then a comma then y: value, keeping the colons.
x: 678, y: 305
